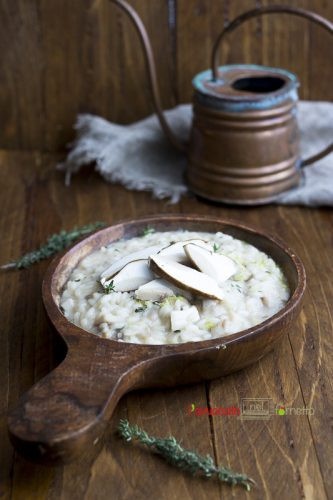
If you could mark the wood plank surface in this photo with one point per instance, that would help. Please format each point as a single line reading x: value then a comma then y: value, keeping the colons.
x: 289, y: 456
x: 64, y: 57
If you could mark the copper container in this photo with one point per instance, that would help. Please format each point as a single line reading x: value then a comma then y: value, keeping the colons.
x: 244, y: 143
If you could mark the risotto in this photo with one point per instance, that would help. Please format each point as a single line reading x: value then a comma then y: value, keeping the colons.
x: 245, y: 288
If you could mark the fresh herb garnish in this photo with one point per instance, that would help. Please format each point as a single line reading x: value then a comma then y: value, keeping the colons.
x: 209, y: 324
x: 54, y: 243
x: 142, y: 307
x: 110, y: 287
x: 148, y: 230
x: 216, y: 247
x: 171, y: 300
x: 186, y: 460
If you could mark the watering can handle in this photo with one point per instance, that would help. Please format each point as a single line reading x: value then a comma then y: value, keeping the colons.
x: 274, y: 9
x: 150, y: 63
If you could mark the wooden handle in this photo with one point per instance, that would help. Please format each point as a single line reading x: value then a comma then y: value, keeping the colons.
x: 66, y: 412
x: 151, y: 69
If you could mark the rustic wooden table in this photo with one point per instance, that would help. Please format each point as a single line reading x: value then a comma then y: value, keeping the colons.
x: 289, y: 456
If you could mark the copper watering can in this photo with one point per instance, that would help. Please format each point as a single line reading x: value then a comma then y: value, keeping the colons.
x: 244, y: 145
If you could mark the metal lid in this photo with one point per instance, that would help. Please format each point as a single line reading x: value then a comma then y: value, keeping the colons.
x: 243, y: 87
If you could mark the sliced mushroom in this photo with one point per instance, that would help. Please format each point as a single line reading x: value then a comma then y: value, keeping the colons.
x: 181, y: 319
x: 154, y: 290
x: 185, y: 277
x: 132, y: 276
x: 120, y: 263
x: 175, y: 251
x: 215, y: 265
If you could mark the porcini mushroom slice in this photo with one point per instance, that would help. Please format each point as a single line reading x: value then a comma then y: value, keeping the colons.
x: 215, y: 265
x: 120, y: 263
x: 175, y: 251
x: 185, y: 277
x: 132, y: 276
x: 181, y: 319
x: 157, y: 289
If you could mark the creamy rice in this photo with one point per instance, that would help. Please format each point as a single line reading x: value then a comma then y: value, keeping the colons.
x: 257, y: 291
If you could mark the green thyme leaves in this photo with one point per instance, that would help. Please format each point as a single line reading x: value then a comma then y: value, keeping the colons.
x: 186, y: 460
x: 54, y: 244
x: 109, y: 288
x: 148, y: 230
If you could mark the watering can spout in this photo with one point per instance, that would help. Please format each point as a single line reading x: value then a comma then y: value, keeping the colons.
x: 150, y: 62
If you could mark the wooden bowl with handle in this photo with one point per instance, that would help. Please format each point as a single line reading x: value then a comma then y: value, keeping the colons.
x: 66, y: 412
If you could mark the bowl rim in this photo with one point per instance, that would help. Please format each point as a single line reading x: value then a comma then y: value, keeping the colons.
x: 58, y: 319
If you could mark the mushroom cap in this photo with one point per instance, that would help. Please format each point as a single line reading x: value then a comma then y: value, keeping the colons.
x: 132, y: 276
x: 175, y: 251
x: 218, y: 266
x: 185, y: 277
x: 144, y: 253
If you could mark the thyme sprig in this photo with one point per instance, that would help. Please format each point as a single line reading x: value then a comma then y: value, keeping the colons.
x: 110, y: 287
x: 186, y: 460
x: 54, y: 243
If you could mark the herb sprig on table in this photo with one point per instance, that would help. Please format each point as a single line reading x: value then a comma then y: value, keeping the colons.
x: 186, y: 460
x: 54, y: 244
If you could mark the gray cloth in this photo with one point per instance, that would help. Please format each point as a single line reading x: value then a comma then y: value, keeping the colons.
x: 139, y: 156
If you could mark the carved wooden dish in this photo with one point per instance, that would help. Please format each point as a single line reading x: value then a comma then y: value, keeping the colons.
x: 67, y: 411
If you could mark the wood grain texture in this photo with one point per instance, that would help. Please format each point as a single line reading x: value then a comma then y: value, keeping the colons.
x: 64, y: 57
x: 289, y: 456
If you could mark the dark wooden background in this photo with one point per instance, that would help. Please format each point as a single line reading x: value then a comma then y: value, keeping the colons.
x: 62, y: 57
